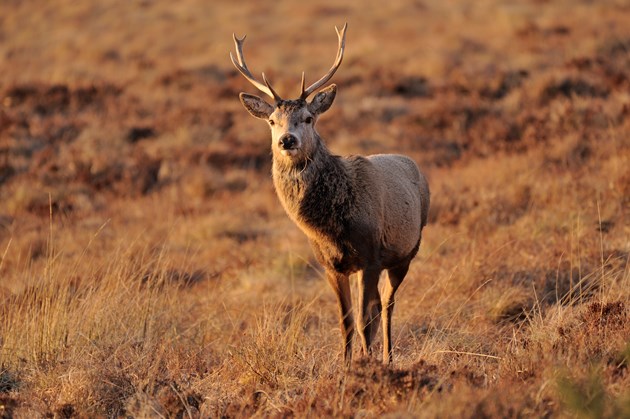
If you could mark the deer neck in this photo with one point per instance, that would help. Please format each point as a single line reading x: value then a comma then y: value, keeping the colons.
x: 315, y: 193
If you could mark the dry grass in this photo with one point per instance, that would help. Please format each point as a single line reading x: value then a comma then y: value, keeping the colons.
x: 147, y: 269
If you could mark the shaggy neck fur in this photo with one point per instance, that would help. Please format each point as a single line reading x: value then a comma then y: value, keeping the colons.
x: 314, y: 189
x: 317, y: 194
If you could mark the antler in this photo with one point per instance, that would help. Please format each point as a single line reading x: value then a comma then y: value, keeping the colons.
x: 242, y: 68
x: 319, y: 83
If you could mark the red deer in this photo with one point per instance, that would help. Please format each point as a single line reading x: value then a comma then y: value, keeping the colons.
x: 361, y: 214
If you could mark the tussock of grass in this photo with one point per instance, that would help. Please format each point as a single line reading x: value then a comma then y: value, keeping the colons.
x: 98, y: 339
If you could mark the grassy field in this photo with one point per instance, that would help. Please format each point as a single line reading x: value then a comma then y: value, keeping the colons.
x: 148, y: 270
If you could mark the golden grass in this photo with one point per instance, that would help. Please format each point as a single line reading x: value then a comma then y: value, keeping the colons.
x: 148, y: 270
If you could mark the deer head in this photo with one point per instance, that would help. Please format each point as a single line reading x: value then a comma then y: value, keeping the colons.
x: 292, y: 122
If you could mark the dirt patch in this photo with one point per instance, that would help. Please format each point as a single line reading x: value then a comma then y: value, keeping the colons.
x: 46, y: 100
x: 135, y: 134
x: 186, y: 79
x: 387, y: 383
x: 606, y: 315
x: 65, y: 411
x: 501, y: 86
x: 389, y: 83
x: 568, y: 87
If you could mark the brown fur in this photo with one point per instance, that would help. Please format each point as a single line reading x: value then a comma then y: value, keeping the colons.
x: 361, y: 214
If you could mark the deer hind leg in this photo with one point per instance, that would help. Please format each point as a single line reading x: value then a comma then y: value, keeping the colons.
x: 395, y: 277
x: 341, y: 285
x: 370, y: 301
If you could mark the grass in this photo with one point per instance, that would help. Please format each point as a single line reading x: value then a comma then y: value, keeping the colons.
x: 148, y: 270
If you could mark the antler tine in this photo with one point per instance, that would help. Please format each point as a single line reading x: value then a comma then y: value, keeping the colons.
x: 340, y: 50
x: 242, y: 68
x: 275, y: 95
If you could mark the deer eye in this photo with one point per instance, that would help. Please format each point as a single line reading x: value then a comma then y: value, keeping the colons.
x: 271, y: 122
x: 308, y: 120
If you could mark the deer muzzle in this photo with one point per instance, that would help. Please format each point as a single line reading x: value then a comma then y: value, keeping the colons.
x: 288, y: 142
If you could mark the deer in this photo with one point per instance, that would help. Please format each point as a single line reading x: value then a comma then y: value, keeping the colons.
x: 361, y: 214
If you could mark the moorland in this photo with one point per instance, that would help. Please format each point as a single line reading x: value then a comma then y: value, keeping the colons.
x: 148, y: 270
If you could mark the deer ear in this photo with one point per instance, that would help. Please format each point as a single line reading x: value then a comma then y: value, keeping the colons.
x: 323, y: 100
x: 256, y: 106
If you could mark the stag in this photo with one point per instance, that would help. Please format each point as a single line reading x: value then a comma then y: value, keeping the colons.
x: 361, y: 214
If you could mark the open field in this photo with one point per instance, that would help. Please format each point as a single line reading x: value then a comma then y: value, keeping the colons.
x: 148, y: 270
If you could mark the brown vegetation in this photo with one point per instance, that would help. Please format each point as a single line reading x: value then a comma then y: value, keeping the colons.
x: 147, y: 269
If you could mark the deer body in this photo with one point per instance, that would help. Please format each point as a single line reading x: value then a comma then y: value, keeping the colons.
x: 356, y: 211
x: 360, y: 214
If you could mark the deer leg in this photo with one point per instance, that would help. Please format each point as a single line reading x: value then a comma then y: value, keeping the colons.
x: 341, y: 285
x: 395, y: 277
x: 370, y: 300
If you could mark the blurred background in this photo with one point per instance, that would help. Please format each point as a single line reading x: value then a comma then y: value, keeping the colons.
x: 147, y: 264
x: 96, y: 91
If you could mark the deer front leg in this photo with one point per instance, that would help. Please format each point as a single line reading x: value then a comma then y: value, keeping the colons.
x: 341, y: 286
x: 370, y: 300
x: 395, y: 277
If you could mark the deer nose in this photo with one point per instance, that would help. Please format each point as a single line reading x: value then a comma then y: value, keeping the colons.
x: 287, y: 142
